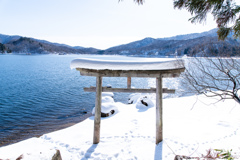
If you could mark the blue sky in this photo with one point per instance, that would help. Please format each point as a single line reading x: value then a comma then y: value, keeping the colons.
x: 95, y: 23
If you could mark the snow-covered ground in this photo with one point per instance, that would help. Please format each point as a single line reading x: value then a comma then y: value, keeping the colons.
x: 191, y: 126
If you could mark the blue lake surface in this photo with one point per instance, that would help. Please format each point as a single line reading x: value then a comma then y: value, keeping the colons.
x: 40, y: 93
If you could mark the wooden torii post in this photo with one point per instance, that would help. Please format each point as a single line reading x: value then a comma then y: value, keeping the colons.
x: 159, y: 73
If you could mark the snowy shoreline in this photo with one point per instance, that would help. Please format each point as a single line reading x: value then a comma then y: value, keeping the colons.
x: 191, y: 126
x: 39, y: 133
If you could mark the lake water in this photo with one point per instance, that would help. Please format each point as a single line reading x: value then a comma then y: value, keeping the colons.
x: 40, y: 93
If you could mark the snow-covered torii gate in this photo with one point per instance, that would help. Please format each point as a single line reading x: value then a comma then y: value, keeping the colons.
x: 137, y: 67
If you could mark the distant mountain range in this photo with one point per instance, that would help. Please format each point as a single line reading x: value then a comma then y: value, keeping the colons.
x: 190, y: 44
x: 19, y: 45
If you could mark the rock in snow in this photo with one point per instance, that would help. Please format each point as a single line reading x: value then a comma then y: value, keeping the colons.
x: 57, y: 156
x: 108, y: 107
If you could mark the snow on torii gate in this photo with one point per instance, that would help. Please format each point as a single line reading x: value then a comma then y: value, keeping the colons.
x: 137, y: 67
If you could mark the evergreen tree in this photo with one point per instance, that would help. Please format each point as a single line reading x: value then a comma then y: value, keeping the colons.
x: 2, y: 48
x: 225, y: 12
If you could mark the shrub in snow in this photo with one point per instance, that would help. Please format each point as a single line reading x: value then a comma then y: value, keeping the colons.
x: 107, y: 94
x: 107, y: 99
x: 107, y: 114
x: 108, y: 107
x: 144, y: 102
x: 109, y: 86
x: 132, y: 98
x: 20, y: 157
x: 141, y: 100
x: 211, y: 154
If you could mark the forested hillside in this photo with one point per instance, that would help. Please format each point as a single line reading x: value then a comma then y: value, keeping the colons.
x: 195, y: 44
x: 17, y: 44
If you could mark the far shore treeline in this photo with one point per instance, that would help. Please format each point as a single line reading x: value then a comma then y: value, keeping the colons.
x: 196, y: 44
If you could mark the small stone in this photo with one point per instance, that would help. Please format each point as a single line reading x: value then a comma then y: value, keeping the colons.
x: 57, y: 156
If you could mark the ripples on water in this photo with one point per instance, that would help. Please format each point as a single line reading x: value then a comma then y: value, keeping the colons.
x: 40, y: 93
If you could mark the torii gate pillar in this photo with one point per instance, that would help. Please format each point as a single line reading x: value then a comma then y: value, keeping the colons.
x: 97, y: 117
x: 159, y: 122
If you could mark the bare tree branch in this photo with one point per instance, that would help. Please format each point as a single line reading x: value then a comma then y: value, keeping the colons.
x: 213, y: 77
